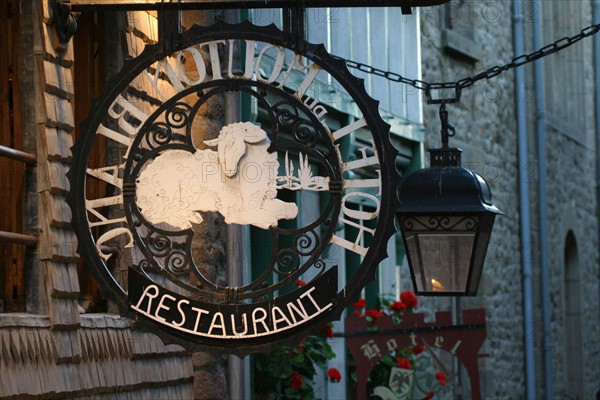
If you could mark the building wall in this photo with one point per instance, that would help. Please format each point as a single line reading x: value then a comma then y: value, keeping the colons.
x: 485, y: 121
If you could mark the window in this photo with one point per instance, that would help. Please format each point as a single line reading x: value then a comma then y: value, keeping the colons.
x: 564, y: 74
x: 458, y: 33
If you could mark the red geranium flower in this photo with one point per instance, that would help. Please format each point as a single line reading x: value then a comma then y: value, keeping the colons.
x: 428, y: 396
x: 418, y: 349
x: 300, y: 283
x: 327, y: 331
x: 295, y: 380
x: 441, y: 378
x: 409, y: 299
x: 357, y: 313
x: 361, y: 303
x: 334, y: 375
x: 373, y: 315
x: 398, y: 306
x: 299, y: 348
x: 403, y: 363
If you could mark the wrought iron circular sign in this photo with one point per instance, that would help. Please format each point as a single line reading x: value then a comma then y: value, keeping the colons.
x: 161, y: 176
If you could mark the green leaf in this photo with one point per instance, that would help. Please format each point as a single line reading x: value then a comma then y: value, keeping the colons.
x: 299, y: 358
x: 292, y: 393
x: 330, y: 354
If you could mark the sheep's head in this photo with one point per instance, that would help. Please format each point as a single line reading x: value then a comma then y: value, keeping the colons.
x: 231, y: 144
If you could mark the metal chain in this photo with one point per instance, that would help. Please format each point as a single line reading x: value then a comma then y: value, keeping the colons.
x: 470, y: 81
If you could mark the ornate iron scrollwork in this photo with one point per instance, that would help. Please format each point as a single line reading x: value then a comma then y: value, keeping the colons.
x: 440, y: 223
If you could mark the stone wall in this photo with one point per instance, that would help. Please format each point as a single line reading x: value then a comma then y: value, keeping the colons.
x: 486, y: 131
x: 573, y: 207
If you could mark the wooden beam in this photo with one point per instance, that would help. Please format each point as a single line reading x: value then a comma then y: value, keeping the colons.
x: 96, y: 5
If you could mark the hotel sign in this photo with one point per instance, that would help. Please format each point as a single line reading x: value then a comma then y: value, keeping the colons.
x: 162, y: 174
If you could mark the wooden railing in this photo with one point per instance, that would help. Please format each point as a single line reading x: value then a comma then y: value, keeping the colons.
x: 19, y: 238
x: 18, y: 155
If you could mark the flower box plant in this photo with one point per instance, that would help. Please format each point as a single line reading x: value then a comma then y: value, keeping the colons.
x: 289, y: 371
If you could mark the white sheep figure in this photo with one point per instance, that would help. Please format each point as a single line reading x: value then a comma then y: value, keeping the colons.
x: 238, y: 180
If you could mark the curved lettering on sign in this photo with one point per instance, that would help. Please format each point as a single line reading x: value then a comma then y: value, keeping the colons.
x: 163, y: 174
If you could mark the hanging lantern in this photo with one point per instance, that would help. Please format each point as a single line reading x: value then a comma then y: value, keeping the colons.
x: 446, y: 218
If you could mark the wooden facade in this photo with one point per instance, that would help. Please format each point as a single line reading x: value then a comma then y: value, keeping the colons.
x: 63, y: 352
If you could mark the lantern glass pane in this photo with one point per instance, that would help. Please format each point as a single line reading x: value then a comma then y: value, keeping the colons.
x: 443, y: 260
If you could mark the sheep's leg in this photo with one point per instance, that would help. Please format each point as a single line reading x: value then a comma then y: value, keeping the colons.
x: 280, y: 208
x: 260, y: 218
x: 268, y: 215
